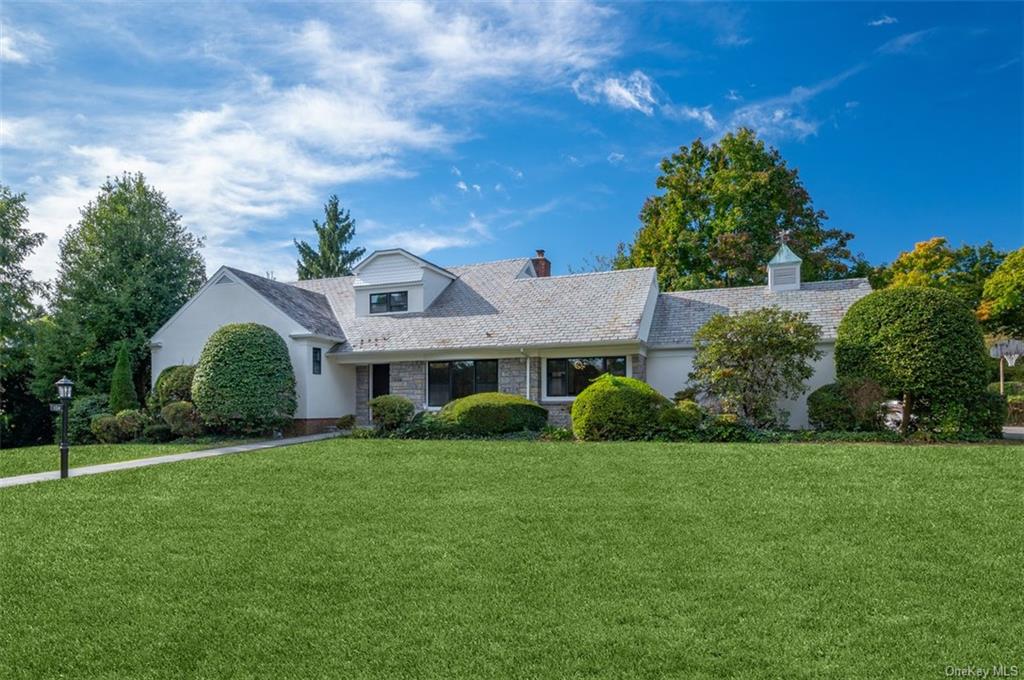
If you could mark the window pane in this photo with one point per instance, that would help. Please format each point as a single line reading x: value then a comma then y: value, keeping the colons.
x: 378, y: 303
x: 398, y: 302
x: 438, y: 383
x: 462, y: 379
x: 487, y: 376
x: 582, y: 372
x: 615, y: 365
x: 317, y: 363
x: 557, y: 382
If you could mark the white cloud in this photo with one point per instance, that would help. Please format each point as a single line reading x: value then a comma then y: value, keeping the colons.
x: 635, y: 91
x: 703, y: 114
x: 615, y: 157
x: 733, y: 96
x: 456, y: 171
x: 904, y: 43
x: 424, y: 239
x: 883, y: 20
x: 461, y: 186
x: 476, y: 188
x: 20, y: 46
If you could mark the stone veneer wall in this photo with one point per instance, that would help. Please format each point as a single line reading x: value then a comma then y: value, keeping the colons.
x: 363, y: 395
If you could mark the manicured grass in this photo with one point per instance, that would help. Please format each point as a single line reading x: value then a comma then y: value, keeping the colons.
x: 28, y: 459
x: 396, y: 559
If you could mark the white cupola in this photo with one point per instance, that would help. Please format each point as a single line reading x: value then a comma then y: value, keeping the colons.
x: 784, y: 270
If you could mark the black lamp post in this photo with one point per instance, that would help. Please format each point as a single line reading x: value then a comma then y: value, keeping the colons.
x: 64, y: 392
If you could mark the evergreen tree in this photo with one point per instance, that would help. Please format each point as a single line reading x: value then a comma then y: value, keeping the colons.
x: 122, y: 390
x: 334, y: 234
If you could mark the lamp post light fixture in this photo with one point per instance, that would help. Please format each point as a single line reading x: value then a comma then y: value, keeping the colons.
x: 64, y: 392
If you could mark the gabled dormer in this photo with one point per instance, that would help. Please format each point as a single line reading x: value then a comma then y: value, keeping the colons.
x: 784, y: 270
x: 395, y: 281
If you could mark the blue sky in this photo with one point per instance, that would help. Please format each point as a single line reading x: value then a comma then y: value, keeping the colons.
x: 475, y: 132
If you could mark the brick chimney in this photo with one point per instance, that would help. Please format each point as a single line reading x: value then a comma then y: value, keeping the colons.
x: 541, y: 264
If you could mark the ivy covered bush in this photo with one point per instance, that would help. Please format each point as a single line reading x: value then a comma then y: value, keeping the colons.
x: 849, y: 406
x: 173, y: 384
x: 617, y: 408
x: 391, y: 412
x: 182, y: 419
x: 491, y: 413
x: 244, y: 380
x: 922, y: 345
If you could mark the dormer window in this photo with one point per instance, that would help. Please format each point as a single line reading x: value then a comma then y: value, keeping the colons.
x: 383, y: 303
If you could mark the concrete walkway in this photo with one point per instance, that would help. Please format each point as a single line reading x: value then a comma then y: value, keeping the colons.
x: 1011, y: 432
x: 160, y: 460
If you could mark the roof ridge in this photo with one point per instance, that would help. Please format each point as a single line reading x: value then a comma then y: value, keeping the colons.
x: 763, y: 286
x: 579, y: 274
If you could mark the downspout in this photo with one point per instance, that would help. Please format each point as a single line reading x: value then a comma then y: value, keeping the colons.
x: 522, y: 350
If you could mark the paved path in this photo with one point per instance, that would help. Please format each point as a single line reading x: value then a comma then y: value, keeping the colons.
x: 1013, y: 432
x: 159, y: 460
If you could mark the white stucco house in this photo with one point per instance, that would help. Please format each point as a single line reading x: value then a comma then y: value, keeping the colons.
x: 403, y: 325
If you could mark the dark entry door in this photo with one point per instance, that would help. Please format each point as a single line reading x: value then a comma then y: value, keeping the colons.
x: 381, y: 380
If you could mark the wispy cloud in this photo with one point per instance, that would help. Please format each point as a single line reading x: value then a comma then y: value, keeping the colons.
x: 883, y: 20
x: 634, y: 91
x: 683, y: 112
x: 19, y: 46
x: 461, y: 186
x: 905, y: 42
x: 615, y: 157
x: 425, y: 239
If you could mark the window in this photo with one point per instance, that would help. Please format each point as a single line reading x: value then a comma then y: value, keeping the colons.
x: 448, y: 380
x: 569, y: 377
x: 317, y: 361
x: 381, y: 303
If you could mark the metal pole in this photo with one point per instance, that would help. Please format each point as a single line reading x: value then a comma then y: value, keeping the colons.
x: 1001, y: 391
x: 64, y: 438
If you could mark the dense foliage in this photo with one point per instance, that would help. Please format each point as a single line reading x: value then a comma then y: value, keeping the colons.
x: 173, y: 384
x: 82, y: 410
x: 491, y: 413
x: 920, y: 344
x: 848, y: 406
x: 332, y: 258
x: 719, y: 220
x: 1015, y: 410
x: 182, y: 419
x: 244, y: 381
x: 122, y: 389
x: 749, y: 361
x: 1002, y: 300
x: 124, y: 269
x: 391, y: 411
x: 131, y: 422
x: 617, y: 408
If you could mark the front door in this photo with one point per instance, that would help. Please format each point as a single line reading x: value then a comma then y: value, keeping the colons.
x: 380, y: 380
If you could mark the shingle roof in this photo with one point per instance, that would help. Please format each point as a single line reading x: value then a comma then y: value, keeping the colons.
x: 490, y: 305
x: 308, y: 308
x: 678, y: 315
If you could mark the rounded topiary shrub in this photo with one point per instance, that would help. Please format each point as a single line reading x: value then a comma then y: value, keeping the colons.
x: 105, y: 429
x: 244, y: 380
x: 157, y: 433
x: 683, y: 418
x: 182, y: 419
x: 391, y: 411
x: 173, y: 384
x: 613, y: 408
x: 492, y: 413
x: 918, y: 344
x: 131, y: 422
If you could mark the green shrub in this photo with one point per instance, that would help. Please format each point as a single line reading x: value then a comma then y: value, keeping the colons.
x: 920, y: 344
x: 391, y: 411
x: 982, y: 417
x: 1010, y: 388
x: 1015, y: 410
x: 131, y: 421
x: 362, y: 433
x: 122, y: 389
x: 182, y: 418
x: 680, y: 421
x: 685, y: 394
x: 105, y: 429
x: 616, y: 408
x: 427, y: 425
x: 173, y: 384
x: 244, y: 381
x: 727, y: 427
x: 80, y: 414
x: 346, y: 422
x: 848, y: 406
x: 550, y: 433
x: 493, y: 413
x: 157, y: 433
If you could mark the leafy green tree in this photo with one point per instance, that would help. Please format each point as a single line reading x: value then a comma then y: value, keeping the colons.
x: 125, y: 268
x: 334, y: 234
x: 720, y: 218
x: 122, y: 391
x: 1002, y: 299
x: 23, y: 418
x: 935, y: 264
x: 749, y: 361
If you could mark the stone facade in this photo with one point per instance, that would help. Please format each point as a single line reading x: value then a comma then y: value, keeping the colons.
x: 639, y: 366
x: 363, y: 395
x: 409, y: 380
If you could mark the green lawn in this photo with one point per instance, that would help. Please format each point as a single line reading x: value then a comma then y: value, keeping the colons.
x: 28, y: 459
x: 396, y: 559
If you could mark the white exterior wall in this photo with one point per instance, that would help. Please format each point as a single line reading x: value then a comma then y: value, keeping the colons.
x: 181, y: 341
x: 388, y: 269
x: 433, y: 285
x: 668, y: 371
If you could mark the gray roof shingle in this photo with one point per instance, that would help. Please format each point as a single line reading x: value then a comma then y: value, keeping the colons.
x: 678, y: 315
x: 308, y: 308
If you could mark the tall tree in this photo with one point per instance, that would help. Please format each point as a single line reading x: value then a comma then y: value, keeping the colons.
x: 125, y: 268
x: 23, y: 418
x: 935, y: 264
x: 334, y: 234
x: 723, y: 211
x: 1002, y: 301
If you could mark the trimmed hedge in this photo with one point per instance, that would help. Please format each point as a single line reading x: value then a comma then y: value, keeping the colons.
x: 244, y: 381
x: 616, y: 408
x: 132, y: 422
x: 157, y: 433
x: 105, y: 429
x: 182, y: 419
x: 491, y: 413
x: 391, y: 412
x: 173, y: 384
x: 678, y: 420
x: 920, y: 343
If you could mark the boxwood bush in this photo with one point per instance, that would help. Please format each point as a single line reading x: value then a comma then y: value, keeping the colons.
x: 614, y: 408
x: 105, y: 429
x: 157, y: 433
x: 244, y: 380
x: 131, y: 422
x: 173, y: 384
x: 491, y: 413
x: 182, y: 419
x: 391, y: 412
